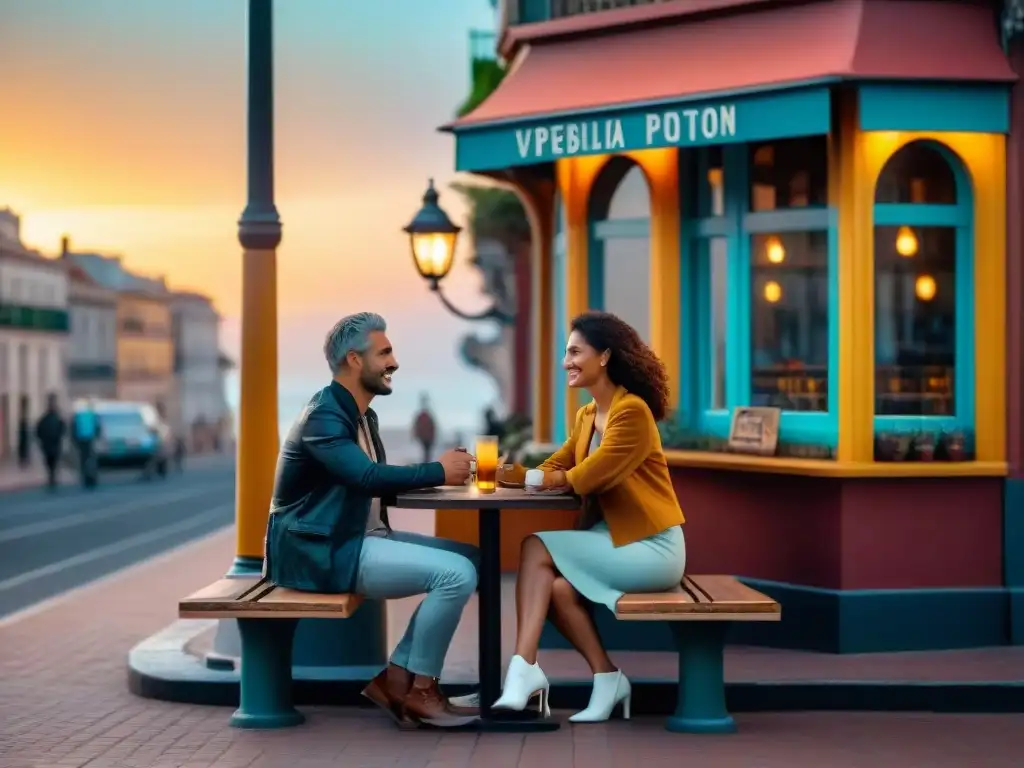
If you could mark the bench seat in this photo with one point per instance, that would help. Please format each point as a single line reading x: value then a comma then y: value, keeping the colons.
x: 267, y: 616
x: 712, y: 603
x: 259, y: 599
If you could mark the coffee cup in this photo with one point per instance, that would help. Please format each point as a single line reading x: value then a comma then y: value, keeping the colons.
x: 534, y: 478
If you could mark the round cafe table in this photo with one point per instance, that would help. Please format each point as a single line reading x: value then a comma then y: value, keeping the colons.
x: 489, y: 507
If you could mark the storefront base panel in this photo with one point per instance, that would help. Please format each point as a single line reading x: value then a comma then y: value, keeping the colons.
x: 857, y: 621
x: 1013, y: 557
x: 844, y: 533
x: 1016, y: 615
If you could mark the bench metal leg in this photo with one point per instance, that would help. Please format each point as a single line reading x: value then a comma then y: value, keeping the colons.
x: 700, y: 706
x: 265, y: 679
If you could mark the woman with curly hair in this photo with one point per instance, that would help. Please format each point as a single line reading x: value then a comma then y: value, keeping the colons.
x: 630, y: 536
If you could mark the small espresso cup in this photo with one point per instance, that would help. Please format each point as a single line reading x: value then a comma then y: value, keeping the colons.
x: 534, y: 478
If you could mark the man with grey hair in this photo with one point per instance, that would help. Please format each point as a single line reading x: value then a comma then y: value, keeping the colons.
x: 329, y: 532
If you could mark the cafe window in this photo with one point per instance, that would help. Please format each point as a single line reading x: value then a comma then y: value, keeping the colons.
x: 759, y: 275
x: 924, y: 314
x: 619, y: 260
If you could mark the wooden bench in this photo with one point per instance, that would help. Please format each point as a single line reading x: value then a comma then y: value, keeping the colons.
x: 267, y: 616
x: 699, y: 613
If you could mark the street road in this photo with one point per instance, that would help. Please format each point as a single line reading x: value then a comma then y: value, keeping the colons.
x: 50, y: 543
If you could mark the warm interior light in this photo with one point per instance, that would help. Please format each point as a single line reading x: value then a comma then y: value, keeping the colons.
x: 433, y: 252
x: 772, y: 292
x: 925, y: 288
x: 906, y: 242
x: 774, y: 250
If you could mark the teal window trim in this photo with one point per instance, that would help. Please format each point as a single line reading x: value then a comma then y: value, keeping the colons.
x: 601, y: 231
x: 620, y: 229
x: 559, y: 257
x: 737, y: 225
x: 961, y: 217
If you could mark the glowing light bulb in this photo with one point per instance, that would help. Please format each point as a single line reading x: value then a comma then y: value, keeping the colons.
x: 925, y: 288
x: 772, y: 292
x: 906, y: 242
x: 774, y: 250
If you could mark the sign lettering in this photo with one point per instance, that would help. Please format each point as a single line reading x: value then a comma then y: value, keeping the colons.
x: 672, y: 127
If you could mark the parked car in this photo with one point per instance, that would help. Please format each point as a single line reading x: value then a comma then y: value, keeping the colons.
x: 132, y: 435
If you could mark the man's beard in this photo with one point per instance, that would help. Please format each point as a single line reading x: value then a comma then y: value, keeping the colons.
x: 374, y: 383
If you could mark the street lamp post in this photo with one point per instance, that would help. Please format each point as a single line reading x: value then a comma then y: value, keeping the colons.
x: 432, y: 239
x: 354, y: 648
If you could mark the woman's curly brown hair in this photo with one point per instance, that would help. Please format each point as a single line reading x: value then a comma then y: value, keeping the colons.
x: 631, y: 364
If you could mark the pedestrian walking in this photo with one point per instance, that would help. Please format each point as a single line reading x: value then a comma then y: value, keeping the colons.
x: 424, y: 430
x: 50, y: 434
x: 24, y: 440
x: 85, y: 431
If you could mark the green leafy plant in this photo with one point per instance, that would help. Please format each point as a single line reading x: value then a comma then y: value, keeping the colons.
x: 487, y: 74
x: 495, y: 212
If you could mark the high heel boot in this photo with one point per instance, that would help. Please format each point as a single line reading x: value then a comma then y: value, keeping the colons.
x: 522, y: 681
x: 609, y: 689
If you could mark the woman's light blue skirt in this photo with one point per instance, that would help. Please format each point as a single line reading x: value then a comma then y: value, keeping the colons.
x: 602, y: 572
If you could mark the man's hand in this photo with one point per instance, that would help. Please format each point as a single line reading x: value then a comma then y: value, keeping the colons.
x: 456, y: 463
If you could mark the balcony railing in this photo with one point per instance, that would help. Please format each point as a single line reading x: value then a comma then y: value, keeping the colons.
x: 92, y: 371
x: 544, y: 10
x: 33, y: 318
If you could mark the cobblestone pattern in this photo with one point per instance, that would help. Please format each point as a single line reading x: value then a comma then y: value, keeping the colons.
x: 64, y: 703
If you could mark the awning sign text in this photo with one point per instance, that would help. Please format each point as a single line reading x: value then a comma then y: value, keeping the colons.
x: 675, y: 127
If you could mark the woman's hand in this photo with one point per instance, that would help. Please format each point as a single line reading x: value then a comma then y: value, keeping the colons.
x: 556, y: 481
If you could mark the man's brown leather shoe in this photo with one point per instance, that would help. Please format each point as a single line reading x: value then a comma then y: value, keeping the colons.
x: 429, y: 706
x: 388, y: 692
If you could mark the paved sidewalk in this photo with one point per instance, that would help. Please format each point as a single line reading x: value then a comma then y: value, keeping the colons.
x: 15, y: 478
x: 64, y: 704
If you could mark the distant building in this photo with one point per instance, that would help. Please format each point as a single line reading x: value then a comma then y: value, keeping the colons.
x: 33, y: 332
x: 145, y: 347
x: 199, y: 369
x: 92, y: 348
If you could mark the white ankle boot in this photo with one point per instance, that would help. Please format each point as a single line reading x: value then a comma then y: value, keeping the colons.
x: 522, y: 681
x: 610, y: 688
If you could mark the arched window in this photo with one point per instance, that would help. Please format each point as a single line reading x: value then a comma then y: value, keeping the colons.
x: 619, y: 263
x: 923, y: 298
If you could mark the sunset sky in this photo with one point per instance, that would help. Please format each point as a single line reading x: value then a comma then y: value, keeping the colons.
x: 123, y: 126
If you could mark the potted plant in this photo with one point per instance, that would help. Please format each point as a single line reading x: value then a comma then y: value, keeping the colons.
x: 954, y: 445
x: 924, y: 446
x: 885, y: 446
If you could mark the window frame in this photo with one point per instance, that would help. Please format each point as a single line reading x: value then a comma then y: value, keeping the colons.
x: 958, y: 216
x: 599, y: 231
x: 737, y: 225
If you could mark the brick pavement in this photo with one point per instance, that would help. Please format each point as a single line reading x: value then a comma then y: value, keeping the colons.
x: 64, y: 704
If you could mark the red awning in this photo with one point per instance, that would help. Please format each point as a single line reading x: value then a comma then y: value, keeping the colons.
x: 744, y: 50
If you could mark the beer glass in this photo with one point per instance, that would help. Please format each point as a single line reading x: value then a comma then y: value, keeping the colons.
x: 486, y: 463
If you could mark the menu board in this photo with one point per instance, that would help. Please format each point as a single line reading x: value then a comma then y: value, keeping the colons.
x: 754, y: 430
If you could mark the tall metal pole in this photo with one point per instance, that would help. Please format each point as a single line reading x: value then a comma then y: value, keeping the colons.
x: 353, y: 649
x: 259, y: 232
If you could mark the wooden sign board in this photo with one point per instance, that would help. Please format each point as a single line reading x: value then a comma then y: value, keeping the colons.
x: 754, y: 430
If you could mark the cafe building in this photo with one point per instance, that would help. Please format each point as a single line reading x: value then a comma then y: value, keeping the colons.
x: 803, y: 208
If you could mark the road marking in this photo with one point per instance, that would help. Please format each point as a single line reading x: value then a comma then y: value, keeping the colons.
x: 92, y: 516
x: 37, y: 505
x: 153, y: 562
x: 116, y: 547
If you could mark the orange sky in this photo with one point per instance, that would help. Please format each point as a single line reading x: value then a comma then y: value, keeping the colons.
x: 124, y: 128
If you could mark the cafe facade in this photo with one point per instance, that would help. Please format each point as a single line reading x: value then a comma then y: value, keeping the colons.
x: 803, y: 208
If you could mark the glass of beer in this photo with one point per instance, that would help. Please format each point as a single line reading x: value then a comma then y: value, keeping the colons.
x: 486, y: 463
